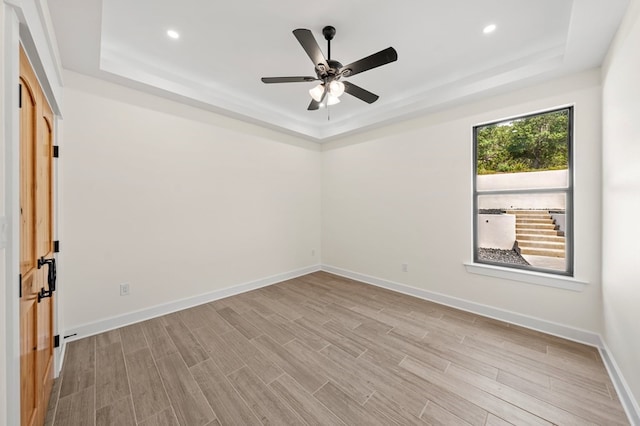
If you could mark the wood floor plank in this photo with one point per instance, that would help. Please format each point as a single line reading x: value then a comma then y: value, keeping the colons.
x: 258, y: 306
x: 164, y: 418
x: 379, y: 379
x: 268, y: 327
x: 77, y: 409
x: 347, y: 409
x: 213, y: 319
x: 188, y: 346
x: 219, y: 351
x: 536, y: 367
x: 78, y: 371
x: 117, y: 413
x: 323, y: 349
x: 133, y: 338
x: 291, y: 363
x: 189, y: 404
x: 515, y: 397
x: 577, y: 404
x: 229, y: 407
x: 499, y: 360
x: 374, y: 336
x: 352, y: 383
x: 409, y: 325
x: 434, y: 325
x: 338, y: 340
x: 158, y: 339
x: 53, y: 402
x: 194, y: 317
x: 265, y: 404
x: 570, y: 390
x: 247, y: 329
x: 441, y: 395
x: 455, y: 353
x: 112, y: 382
x: 237, y: 303
x: 477, y: 396
x: 497, y: 421
x: 436, y: 415
x: 302, y: 402
x: 107, y: 338
x: 331, y: 311
x: 257, y: 361
x: 392, y: 410
x: 278, y: 307
x: 309, y: 338
x: 147, y: 391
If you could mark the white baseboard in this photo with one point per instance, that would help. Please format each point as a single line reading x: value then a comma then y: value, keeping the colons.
x: 549, y: 327
x: 629, y: 403
x: 107, y: 324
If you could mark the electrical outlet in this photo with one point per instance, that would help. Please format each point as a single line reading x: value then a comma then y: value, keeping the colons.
x: 405, y: 267
x: 124, y: 289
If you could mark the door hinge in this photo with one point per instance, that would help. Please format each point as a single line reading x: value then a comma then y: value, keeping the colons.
x: 56, y: 151
x: 20, y: 95
x: 20, y: 285
x: 56, y: 246
x: 56, y: 341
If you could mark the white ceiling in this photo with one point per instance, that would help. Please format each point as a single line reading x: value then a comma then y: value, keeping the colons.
x: 226, y: 46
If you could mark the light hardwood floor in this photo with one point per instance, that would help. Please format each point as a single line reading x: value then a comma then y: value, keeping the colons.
x: 324, y: 350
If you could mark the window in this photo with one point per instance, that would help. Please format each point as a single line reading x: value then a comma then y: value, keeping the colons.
x: 523, y: 192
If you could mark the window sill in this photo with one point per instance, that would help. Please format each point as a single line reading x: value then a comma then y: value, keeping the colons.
x: 531, y: 277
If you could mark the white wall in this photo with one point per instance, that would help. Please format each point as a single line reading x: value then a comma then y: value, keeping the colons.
x: 621, y: 200
x: 496, y: 231
x: 403, y: 194
x: 175, y: 201
x: 526, y: 180
x: 4, y: 332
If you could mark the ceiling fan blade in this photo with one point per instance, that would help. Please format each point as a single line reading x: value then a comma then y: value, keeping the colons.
x: 360, y: 93
x: 310, y: 45
x: 372, y: 61
x: 269, y: 80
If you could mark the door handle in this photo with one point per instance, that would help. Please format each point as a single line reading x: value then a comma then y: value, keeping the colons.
x: 51, y: 277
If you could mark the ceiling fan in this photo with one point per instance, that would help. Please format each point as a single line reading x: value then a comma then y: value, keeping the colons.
x: 330, y: 72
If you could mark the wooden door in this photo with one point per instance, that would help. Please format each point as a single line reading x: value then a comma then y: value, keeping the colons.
x: 36, y: 247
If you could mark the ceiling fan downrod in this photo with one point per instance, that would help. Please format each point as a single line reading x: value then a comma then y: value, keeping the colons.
x: 328, y: 32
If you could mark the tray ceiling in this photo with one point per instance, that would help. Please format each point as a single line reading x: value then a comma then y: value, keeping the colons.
x: 225, y: 47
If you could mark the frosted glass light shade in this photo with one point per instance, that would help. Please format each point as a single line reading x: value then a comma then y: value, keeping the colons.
x: 317, y: 92
x: 332, y: 100
x: 336, y: 88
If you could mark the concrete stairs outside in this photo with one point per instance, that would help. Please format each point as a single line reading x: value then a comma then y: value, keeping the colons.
x: 537, y: 234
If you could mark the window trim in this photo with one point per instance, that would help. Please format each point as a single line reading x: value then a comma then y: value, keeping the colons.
x: 531, y: 277
x: 568, y: 191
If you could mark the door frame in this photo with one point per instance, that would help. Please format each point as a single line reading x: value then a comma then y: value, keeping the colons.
x: 25, y: 23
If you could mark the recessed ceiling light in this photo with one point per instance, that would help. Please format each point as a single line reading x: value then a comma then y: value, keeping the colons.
x: 489, y: 29
x: 173, y: 34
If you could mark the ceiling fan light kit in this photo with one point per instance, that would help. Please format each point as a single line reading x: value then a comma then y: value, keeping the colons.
x: 330, y: 72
